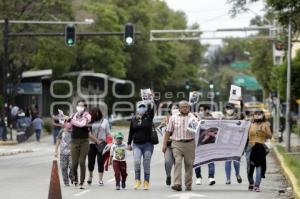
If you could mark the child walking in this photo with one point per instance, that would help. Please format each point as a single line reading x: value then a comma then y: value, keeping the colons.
x: 63, y: 140
x: 38, y: 126
x: 118, y: 160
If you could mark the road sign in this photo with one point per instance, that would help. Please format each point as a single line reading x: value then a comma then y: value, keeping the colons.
x: 240, y: 64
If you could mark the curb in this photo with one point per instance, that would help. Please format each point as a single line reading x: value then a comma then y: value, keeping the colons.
x: 288, y: 173
x: 15, y: 152
x: 8, y: 142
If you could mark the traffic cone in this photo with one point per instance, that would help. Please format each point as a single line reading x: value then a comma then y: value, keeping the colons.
x: 54, y: 188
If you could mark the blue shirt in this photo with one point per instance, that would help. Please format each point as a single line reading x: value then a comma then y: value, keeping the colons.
x: 37, y: 123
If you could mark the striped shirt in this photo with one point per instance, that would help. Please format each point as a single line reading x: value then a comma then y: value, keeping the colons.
x: 177, y: 126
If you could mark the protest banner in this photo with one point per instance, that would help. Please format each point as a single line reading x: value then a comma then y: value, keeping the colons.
x: 219, y: 140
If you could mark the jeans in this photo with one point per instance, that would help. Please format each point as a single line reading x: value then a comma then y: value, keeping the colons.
x: 169, y: 161
x: 228, y: 168
x: 145, y: 151
x: 251, y: 168
x: 38, y: 134
x: 55, y: 134
x: 211, y: 171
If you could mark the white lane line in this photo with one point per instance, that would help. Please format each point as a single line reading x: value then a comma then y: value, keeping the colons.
x: 83, y: 192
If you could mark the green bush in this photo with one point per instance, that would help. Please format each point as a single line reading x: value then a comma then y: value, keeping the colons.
x: 48, y: 127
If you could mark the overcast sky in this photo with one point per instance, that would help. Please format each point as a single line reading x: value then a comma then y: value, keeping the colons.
x: 213, y: 14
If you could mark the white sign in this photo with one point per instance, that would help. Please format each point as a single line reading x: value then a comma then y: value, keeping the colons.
x: 219, y: 140
x: 193, y: 124
x: 194, y: 97
x: 146, y: 94
x: 235, y: 93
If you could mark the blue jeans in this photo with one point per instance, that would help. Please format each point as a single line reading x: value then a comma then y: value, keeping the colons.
x: 211, y: 171
x: 251, y: 168
x: 38, y: 134
x: 145, y: 151
x: 228, y: 168
x: 55, y: 134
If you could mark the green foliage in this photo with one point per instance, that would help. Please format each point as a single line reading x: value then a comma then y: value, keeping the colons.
x: 48, y: 126
x: 292, y: 162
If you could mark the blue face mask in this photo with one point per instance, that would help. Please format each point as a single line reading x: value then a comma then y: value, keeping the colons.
x: 141, y: 110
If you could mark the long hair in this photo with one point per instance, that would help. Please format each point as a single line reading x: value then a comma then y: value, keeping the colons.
x: 96, y: 114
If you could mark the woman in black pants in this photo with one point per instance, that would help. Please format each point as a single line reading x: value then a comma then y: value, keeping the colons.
x: 99, y: 131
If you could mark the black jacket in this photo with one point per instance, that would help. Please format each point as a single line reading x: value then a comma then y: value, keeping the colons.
x: 258, y: 158
x: 140, y: 132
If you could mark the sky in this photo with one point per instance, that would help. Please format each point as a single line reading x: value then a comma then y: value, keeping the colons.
x: 214, y: 14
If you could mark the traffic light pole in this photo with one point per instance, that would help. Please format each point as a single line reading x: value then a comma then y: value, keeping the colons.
x: 288, y: 89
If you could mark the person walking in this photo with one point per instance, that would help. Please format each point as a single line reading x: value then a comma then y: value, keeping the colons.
x: 99, y: 130
x: 38, y: 126
x: 118, y: 160
x: 140, y: 135
x: 80, y: 140
x: 204, y: 114
x: 183, y: 145
x: 56, y: 127
x: 256, y: 153
x: 231, y: 113
x: 63, y: 141
x: 168, y: 153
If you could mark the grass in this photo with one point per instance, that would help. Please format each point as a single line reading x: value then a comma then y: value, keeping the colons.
x: 291, y: 161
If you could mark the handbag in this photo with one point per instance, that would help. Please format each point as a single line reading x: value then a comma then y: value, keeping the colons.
x: 100, y: 147
x: 154, y: 136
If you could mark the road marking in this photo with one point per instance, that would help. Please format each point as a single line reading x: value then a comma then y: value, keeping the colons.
x: 186, y: 195
x: 83, y: 192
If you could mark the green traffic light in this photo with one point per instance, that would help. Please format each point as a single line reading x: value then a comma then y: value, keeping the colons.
x: 70, y: 41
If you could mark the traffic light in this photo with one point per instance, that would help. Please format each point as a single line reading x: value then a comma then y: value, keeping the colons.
x: 129, y: 34
x: 188, y: 85
x: 279, y: 45
x: 70, y: 35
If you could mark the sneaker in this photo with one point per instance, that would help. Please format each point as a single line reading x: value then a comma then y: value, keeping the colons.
x: 67, y: 185
x: 81, y: 186
x: 256, y: 189
x: 250, y: 188
x: 211, y: 181
x: 188, y: 188
x: 199, y: 181
x: 76, y: 184
x: 123, y: 185
x: 146, y: 185
x: 89, y: 181
x: 228, y: 182
x: 137, y: 184
x: 117, y: 187
x: 101, y: 183
x: 168, y: 181
x: 176, y: 187
x: 239, y: 179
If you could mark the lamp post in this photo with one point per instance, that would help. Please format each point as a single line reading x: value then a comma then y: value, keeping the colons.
x: 211, y: 87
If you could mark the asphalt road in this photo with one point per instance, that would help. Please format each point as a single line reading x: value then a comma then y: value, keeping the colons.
x: 27, y: 175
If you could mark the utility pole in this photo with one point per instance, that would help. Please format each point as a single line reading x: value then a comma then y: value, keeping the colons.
x: 288, y: 89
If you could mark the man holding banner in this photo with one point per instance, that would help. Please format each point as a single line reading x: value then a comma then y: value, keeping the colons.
x: 183, y: 145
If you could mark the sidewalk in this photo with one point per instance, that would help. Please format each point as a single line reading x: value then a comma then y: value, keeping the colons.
x: 295, y: 152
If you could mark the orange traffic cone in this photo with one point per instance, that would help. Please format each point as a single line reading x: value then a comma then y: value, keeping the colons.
x: 54, y: 188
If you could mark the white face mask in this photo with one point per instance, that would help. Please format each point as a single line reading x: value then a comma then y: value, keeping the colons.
x: 175, y: 111
x: 229, y: 111
x: 141, y: 110
x: 258, y: 117
x: 79, y: 109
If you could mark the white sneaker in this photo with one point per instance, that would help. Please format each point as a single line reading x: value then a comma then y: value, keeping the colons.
x: 199, y: 181
x: 211, y: 181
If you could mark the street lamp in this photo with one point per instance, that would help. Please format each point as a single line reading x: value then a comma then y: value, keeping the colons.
x: 211, y: 86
